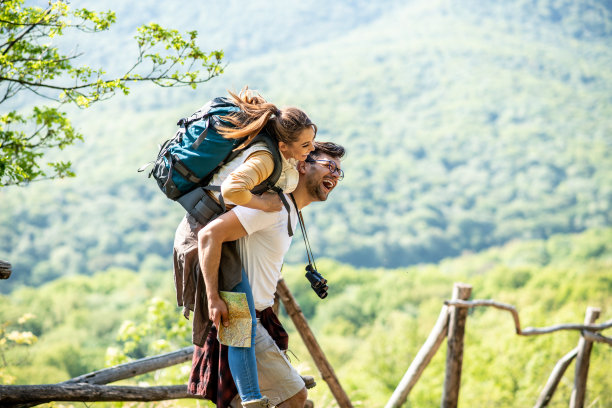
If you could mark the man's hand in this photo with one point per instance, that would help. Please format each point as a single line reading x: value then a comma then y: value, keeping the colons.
x: 225, y: 228
x: 217, y: 311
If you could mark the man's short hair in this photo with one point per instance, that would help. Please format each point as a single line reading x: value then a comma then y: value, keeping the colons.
x: 331, y: 149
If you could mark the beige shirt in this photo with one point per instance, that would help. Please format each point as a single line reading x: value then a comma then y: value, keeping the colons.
x: 250, y: 168
x: 257, y: 167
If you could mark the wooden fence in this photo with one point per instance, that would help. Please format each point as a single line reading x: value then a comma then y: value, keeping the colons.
x: 451, y: 324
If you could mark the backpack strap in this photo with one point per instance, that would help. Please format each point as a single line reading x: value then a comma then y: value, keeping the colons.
x: 270, y: 183
x: 217, y: 189
x: 272, y: 146
x: 286, y: 205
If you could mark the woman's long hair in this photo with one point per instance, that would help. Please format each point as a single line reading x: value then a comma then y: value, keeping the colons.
x: 256, y: 113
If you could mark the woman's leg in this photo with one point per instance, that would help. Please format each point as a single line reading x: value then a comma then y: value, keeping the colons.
x: 242, y: 362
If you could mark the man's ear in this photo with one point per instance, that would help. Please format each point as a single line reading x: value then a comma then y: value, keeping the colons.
x: 301, y: 167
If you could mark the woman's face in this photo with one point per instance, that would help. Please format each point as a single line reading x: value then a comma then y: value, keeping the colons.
x: 299, y: 149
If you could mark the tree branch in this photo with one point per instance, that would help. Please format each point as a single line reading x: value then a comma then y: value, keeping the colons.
x: 32, y: 26
x: 91, y: 84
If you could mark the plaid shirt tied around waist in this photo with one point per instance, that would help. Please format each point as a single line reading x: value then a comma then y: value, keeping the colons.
x: 210, y: 373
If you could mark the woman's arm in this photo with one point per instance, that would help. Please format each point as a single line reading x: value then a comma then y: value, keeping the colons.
x: 255, y: 169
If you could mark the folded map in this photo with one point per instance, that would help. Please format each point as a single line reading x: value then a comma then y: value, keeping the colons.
x: 238, y: 333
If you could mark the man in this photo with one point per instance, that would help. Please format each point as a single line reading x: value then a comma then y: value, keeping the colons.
x: 262, y: 243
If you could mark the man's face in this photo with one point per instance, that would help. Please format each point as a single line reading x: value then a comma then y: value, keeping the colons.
x: 320, y: 180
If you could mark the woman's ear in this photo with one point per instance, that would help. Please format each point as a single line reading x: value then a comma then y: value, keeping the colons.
x: 283, y: 147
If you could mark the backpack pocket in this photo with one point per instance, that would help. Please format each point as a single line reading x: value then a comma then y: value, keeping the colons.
x: 162, y: 173
x: 200, y: 206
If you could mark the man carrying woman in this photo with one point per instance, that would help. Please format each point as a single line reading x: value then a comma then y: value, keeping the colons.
x: 295, y: 134
x: 262, y: 242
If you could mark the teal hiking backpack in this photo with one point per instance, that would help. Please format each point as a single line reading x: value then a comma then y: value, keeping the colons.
x: 197, y: 151
x: 187, y: 162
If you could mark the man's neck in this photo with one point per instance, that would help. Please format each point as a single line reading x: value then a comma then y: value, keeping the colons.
x: 302, y: 199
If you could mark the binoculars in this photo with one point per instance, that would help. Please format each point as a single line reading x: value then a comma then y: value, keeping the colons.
x: 317, y: 282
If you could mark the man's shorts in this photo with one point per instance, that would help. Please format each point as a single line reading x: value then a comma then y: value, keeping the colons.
x: 278, y: 380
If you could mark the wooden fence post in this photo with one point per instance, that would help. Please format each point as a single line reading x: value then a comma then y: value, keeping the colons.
x: 325, y: 368
x: 582, y: 362
x: 422, y: 359
x: 454, y: 354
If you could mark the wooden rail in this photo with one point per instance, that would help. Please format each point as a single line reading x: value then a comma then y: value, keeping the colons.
x: 595, y: 337
x: 65, y: 391
x: 531, y: 331
x: 134, y: 368
x: 39, y: 394
x: 555, y: 378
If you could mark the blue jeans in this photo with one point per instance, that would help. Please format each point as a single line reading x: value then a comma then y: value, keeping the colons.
x: 242, y: 362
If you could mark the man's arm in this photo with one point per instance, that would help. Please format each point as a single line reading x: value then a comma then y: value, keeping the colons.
x: 225, y: 228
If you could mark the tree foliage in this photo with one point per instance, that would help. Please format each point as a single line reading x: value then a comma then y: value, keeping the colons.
x: 32, y: 62
x: 12, y: 336
x: 465, y: 129
x: 371, y: 325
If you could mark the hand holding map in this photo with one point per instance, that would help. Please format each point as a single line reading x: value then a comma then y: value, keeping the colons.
x: 238, y: 333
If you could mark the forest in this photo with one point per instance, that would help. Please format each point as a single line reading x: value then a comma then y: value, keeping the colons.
x: 370, y: 326
x: 479, y: 149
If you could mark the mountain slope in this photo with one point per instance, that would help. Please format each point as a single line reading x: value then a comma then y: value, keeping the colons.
x: 466, y: 127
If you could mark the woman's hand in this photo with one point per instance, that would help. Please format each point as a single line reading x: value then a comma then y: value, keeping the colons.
x: 268, y: 202
x: 271, y: 202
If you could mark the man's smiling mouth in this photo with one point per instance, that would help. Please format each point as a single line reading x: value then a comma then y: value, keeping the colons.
x: 329, y: 184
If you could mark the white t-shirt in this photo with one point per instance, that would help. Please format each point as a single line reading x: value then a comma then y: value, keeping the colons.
x: 263, y: 249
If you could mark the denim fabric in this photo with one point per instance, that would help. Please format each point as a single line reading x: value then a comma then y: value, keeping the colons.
x: 242, y: 362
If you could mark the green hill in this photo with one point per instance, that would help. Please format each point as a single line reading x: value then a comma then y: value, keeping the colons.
x: 370, y: 327
x: 468, y: 125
